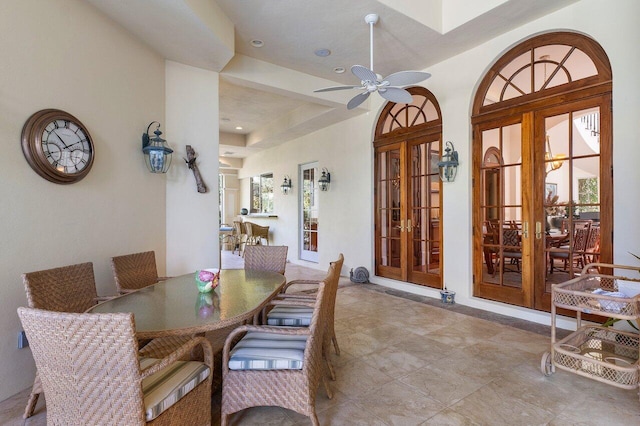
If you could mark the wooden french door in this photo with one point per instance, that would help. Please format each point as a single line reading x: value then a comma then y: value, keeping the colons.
x: 545, y: 200
x: 542, y: 172
x: 408, y: 211
x: 574, y: 175
x: 501, y: 223
x: 309, y: 209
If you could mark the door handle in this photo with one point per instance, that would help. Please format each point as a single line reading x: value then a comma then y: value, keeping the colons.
x: 525, y: 229
x: 538, y: 230
x: 401, y: 226
x: 409, y: 227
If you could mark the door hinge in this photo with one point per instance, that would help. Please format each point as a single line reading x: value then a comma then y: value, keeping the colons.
x: 473, y: 279
x: 612, y: 171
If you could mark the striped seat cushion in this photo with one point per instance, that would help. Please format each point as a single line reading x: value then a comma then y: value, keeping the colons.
x: 268, y: 351
x: 164, y: 388
x: 298, y: 316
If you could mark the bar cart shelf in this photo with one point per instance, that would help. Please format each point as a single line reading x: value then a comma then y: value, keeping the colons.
x: 600, y: 353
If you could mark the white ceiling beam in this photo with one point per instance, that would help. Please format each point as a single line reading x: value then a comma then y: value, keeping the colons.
x: 192, y: 32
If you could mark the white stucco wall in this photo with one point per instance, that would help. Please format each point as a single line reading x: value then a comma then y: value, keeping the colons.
x: 346, y: 150
x: 64, y: 54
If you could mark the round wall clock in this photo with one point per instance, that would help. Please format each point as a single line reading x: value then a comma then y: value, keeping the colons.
x: 57, y: 146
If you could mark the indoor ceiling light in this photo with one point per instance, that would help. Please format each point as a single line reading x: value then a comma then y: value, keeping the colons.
x: 323, y: 53
x: 238, y: 127
x: 257, y: 43
x: 339, y: 70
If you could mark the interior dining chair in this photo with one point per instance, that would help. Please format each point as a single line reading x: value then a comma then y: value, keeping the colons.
x: 135, y: 271
x: 277, y: 366
x: 266, y: 258
x: 577, y: 255
x: 284, y: 314
x: 512, y: 251
x: 592, y: 251
x: 69, y: 288
x: 91, y: 372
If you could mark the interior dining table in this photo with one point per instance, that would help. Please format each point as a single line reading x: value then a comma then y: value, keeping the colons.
x: 176, y: 307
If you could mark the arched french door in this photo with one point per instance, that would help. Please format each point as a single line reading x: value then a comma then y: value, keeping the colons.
x: 542, y: 149
x: 407, y: 144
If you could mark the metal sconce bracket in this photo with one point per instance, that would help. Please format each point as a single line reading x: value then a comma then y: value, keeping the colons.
x: 286, y: 185
x: 324, y: 180
x: 157, y: 154
x: 448, y: 163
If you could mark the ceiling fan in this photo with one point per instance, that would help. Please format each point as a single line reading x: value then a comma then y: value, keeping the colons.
x: 371, y: 82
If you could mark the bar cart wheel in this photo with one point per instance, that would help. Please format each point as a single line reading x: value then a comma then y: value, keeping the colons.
x: 545, y: 364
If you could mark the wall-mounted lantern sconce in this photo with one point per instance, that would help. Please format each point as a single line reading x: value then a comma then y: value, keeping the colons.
x: 286, y: 185
x: 157, y: 154
x: 448, y: 163
x: 324, y: 180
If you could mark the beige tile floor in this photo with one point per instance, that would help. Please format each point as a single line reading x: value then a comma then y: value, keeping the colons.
x: 417, y: 362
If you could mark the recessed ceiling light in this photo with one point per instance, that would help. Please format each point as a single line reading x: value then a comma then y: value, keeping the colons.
x: 257, y: 43
x: 322, y: 52
x: 238, y: 127
x: 338, y: 70
x: 225, y: 119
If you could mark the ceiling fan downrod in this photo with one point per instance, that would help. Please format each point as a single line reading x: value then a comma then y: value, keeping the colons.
x: 371, y: 19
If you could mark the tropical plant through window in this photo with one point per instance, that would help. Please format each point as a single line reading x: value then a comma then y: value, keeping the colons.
x: 262, y: 193
x: 588, y: 194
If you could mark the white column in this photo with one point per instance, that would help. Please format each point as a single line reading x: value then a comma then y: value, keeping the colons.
x: 192, y: 112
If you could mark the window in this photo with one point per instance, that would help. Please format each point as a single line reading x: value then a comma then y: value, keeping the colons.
x: 262, y: 193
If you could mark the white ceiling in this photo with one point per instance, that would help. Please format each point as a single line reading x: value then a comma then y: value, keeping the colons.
x: 268, y: 91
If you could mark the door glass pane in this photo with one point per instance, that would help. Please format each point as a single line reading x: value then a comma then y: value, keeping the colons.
x: 501, y: 174
x: 425, y: 207
x: 572, y: 193
x: 309, y: 217
x: 388, y: 202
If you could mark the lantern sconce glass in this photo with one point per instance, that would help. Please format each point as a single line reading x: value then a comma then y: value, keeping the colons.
x: 157, y: 154
x: 448, y: 163
x: 286, y: 185
x: 324, y: 180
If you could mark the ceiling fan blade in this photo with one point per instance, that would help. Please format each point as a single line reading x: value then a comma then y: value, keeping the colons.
x: 357, y: 100
x: 396, y: 94
x: 364, y: 73
x: 331, y: 89
x: 404, y: 78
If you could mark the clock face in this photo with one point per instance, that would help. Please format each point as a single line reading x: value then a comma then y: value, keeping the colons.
x: 66, y: 146
x: 57, y: 146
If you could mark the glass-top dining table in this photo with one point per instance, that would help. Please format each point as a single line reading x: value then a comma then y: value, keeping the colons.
x: 175, y: 307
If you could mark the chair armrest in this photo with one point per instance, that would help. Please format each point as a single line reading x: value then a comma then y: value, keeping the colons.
x: 293, y: 296
x: 290, y: 283
x: 128, y: 290
x: 104, y: 298
x: 308, y: 302
x: 179, y: 353
x: 285, y: 331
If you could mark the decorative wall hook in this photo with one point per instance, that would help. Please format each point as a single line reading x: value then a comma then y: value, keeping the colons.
x: 191, y: 163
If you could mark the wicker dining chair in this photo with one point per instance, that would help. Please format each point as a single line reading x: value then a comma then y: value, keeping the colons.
x: 256, y: 233
x: 65, y: 289
x: 276, y: 366
x: 91, y: 372
x: 300, y: 316
x: 266, y: 258
x: 135, y: 271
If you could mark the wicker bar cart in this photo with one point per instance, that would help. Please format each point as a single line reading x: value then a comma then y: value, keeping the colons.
x: 600, y: 353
